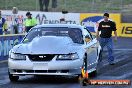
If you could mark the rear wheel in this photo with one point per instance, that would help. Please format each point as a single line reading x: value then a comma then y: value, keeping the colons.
x: 13, y: 78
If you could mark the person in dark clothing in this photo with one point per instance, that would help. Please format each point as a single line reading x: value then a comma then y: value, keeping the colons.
x: 106, y: 27
x: 43, y: 3
x: 54, y: 3
x: 3, y: 25
x: 46, y: 4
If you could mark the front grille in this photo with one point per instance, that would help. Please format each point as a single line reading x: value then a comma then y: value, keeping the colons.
x: 45, y: 57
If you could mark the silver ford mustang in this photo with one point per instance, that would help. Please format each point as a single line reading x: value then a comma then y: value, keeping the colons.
x: 54, y: 49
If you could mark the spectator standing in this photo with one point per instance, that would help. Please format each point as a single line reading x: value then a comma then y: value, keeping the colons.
x: 3, y: 25
x: 45, y: 3
x: 54, y: 3
x: 14, y: 22
x: 106, y: 27
x: 29, y: 22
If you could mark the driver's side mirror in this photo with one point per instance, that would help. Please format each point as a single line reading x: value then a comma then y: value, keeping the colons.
x: 87, y: 38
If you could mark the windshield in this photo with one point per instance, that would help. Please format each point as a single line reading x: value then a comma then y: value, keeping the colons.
x: 74, y: 33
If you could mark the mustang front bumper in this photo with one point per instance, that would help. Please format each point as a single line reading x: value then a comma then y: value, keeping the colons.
x: 53, y: 67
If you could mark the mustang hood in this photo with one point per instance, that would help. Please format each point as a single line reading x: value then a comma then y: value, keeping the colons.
x: 48, y: 45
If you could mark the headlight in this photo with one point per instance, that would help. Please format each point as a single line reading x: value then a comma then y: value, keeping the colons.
x: 17, y: 56
x: 68, y: 57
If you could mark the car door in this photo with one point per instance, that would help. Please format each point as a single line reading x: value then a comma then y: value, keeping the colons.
x: 91, y: 49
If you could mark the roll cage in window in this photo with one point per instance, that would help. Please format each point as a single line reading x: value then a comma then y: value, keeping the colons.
x: 87, y: 33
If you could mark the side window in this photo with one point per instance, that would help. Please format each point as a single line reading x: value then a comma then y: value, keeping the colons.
x: 31, y: 35
x: 87, y: 33
x: 76, y: 35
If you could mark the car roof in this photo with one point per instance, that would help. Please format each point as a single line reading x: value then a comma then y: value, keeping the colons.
x: 59, y: 25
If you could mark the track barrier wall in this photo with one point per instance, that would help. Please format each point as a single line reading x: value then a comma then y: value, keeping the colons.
x: 7, y: 42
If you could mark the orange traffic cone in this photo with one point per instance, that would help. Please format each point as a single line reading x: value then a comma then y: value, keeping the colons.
x: 85, y: 77
x: 84, y: 73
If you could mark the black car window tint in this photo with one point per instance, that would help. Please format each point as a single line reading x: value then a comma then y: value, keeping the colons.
x: 76, y: 35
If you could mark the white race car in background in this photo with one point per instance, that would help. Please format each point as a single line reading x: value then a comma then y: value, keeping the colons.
x: 54, y: 49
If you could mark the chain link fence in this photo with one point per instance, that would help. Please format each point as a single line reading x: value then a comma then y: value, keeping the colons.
x: 113, y: 6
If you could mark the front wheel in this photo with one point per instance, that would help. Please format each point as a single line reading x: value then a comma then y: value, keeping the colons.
x: 93, y: 74
x: 13, y: 78
x: 100, y: 56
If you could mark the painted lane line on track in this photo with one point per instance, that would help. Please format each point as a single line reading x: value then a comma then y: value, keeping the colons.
x: 3, y: 61
x: 123, y: 49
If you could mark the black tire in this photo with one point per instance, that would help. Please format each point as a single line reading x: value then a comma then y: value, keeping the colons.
x: 85, y: 62
x: 93, y: 74
x: 100, y: 56
x: 78, y: 78
x: 85, y: 82
x: 13, y: 78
